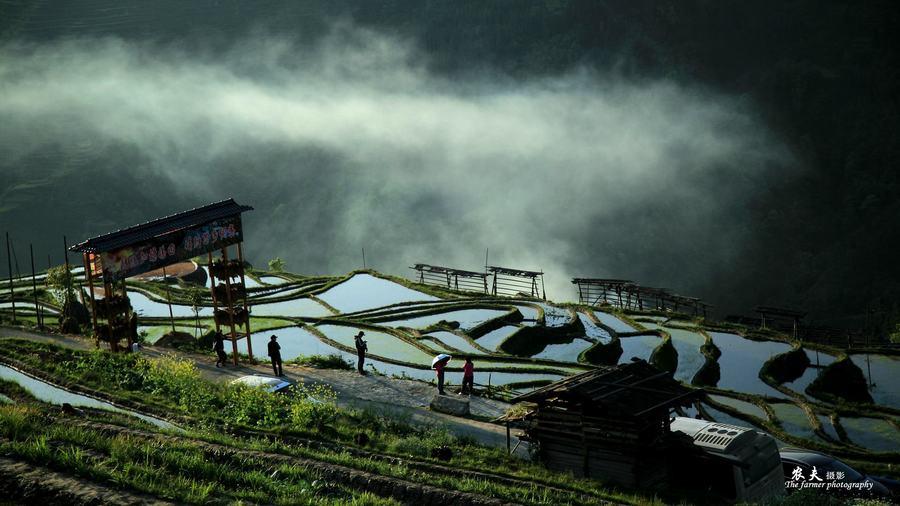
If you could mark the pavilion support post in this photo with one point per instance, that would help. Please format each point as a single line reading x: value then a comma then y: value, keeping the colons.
x: 247, y: 309
x: 169, y: 301
x: 89, y: 273
x: 107, y: 291
x: 212, y: 288
x: 543, y: 288
x: 234, y: 346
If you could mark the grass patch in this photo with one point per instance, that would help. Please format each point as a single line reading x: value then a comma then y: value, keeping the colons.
x: 322, y: 362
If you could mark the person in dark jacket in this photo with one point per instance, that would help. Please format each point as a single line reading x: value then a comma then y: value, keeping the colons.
x: 219, y: 348
x: 275, y: 355
x: 361, y: 349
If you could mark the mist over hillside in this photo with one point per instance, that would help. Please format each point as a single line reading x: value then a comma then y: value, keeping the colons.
x: 740, y: 153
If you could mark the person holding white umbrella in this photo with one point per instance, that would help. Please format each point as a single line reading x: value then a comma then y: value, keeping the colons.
x: 438, y: 364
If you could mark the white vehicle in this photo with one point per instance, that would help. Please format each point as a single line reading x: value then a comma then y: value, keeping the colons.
x: 271, y: 384
x: 743, y: 465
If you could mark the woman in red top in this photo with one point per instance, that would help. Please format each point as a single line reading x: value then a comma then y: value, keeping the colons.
x: 468, y: 381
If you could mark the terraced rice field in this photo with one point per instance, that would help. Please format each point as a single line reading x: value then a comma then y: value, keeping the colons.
x: 321, y: 316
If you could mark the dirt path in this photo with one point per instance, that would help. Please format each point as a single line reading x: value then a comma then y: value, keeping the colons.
x: 404, y: 399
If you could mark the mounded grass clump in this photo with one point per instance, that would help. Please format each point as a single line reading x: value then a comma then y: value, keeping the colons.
x: 602, y: 353
x: 665, y: 356
x: 322, y: 362
x: 529, y: 341
x: 842, y: 380
x: 710, y: 373
x: 786, y: 367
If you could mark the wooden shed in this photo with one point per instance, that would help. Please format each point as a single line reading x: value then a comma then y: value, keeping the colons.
x: 611, y: 423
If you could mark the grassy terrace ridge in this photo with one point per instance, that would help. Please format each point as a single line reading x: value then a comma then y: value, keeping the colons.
x: 220, y: 414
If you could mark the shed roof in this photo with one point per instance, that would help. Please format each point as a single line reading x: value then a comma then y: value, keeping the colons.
x: 448, y: 270
x: 635, y: 389
x: 514, y: 272
x: 161, y: 226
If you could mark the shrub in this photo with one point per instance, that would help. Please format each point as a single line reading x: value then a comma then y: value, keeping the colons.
x: 313, y: 406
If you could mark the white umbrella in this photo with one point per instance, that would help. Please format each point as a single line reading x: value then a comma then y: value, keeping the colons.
x: 443, y: 357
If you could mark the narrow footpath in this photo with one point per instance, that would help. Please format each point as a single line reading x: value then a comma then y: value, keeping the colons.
x: 407, y: 400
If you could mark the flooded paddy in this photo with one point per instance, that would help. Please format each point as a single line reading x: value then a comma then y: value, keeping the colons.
x: 458, y: 342
x: 272, y: 280
x: 638, y: 346
x: 566, y: 352
x: 883, y: 371
x: 688, y: 344
x: 793, y: 420
x: 492, y: 339
x: 872, y: 433
x: 613, y: 322
x: 741, y: 361
x: 467, y: 318
x: 292, y: 308
x: 555, y: 316
x: 144, y: 306
x: 593, y: 331
x: 379, y: 343
x: 364, y: 291
x: 55, y: 395
x: 799, y: 385
x: 745, y: 407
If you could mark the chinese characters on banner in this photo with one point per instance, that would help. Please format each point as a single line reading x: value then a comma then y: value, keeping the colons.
x: 170, y: 248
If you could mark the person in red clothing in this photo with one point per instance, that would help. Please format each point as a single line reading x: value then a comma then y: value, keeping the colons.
x: 468, y: 382
x: 439, y: 367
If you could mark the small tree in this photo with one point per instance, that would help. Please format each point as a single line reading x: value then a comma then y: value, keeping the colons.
x: 276, y: 264
x: 61, y: 284
x: 195, y: 295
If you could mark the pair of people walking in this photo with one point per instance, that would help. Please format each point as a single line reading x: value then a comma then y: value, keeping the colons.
x: 274, y: 353
x: 468, y: 382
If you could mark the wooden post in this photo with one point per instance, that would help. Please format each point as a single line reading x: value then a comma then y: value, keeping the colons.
x: 89, y: 272
x: 169, y: 301
x: 507, y: 438
x: 234, y: 347
x: 212, y: 288
x: 12, y: 296
x: 247, y: 309
x: 37, y: 309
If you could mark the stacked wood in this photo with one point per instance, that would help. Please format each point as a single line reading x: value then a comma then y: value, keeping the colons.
x: 112, y: 306
x: 230, y: 269
x: 238, y: 292
x: 224, y: 316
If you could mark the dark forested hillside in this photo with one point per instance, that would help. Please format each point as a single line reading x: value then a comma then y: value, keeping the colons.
x: 822, y: 75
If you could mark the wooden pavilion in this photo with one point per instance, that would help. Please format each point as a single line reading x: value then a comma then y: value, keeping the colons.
x: 453, y: 279
x: 611, y: 423
x: 513, y: 282
x: 113, y: 257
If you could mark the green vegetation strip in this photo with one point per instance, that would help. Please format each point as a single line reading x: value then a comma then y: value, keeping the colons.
x: 175, y: 385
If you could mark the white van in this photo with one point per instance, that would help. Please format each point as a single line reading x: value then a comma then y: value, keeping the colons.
x: 743, y: 465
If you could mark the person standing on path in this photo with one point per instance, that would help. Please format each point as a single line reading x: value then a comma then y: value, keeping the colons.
x: 219, y: 348
x: 275, y: 355
x: 361, y: 349
x: 468, y: 382
x: 439, y: 367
